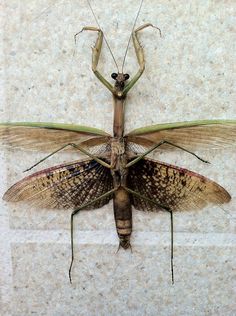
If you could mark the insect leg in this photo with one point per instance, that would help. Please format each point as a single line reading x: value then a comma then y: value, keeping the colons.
x: 146, y: 199
x: 71, y: 224
x: 171, y: 226
x: 78, y: 147
x: 96, y: 51
x: 139, y: 54
x: 158, y: 145
x: 172, y: 247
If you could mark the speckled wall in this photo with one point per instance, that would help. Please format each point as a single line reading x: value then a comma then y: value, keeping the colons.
x: 189, y: 76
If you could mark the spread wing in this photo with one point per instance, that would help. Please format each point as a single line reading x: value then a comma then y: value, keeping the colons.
x: 49, y: 136
x: 176, y: 188
x: 190, y: 135
x: 65, y: 186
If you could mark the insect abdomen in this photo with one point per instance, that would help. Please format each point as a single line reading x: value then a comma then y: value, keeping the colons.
x: 123, y: 216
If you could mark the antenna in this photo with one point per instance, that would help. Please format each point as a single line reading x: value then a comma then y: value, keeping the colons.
x: 126, y: 50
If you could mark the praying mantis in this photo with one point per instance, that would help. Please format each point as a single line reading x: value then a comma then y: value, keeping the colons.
x: 118, y: 172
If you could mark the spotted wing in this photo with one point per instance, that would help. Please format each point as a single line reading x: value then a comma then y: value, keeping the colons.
x: 65, y: 186
x: 49, y: 136
x: 175, y: 188
x: 206, y: 134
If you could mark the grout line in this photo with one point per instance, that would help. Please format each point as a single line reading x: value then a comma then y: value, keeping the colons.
x: 100, y: 237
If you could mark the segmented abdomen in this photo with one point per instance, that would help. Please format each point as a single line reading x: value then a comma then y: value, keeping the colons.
x: 123, y: 216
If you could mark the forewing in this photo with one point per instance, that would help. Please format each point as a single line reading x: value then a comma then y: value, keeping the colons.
x: 49, y: 136
x: 190, y: 135
x: 66, y: 186
x: 175, y: 188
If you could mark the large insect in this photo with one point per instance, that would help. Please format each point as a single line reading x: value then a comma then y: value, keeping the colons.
x: 118, y: 172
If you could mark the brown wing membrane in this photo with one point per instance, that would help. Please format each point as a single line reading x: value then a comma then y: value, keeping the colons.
x: 49, y: 136
x: 66, y: 186
x: 190, y: 135
x: 176, y: 188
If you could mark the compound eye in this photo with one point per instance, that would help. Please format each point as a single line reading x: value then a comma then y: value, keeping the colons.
x: 114, y: 75
x: 126, y: 76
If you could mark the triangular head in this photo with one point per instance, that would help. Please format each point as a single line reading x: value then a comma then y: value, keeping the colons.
x: 120, y: 80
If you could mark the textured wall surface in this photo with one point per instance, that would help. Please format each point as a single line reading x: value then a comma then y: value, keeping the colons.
x: 189, y: 76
